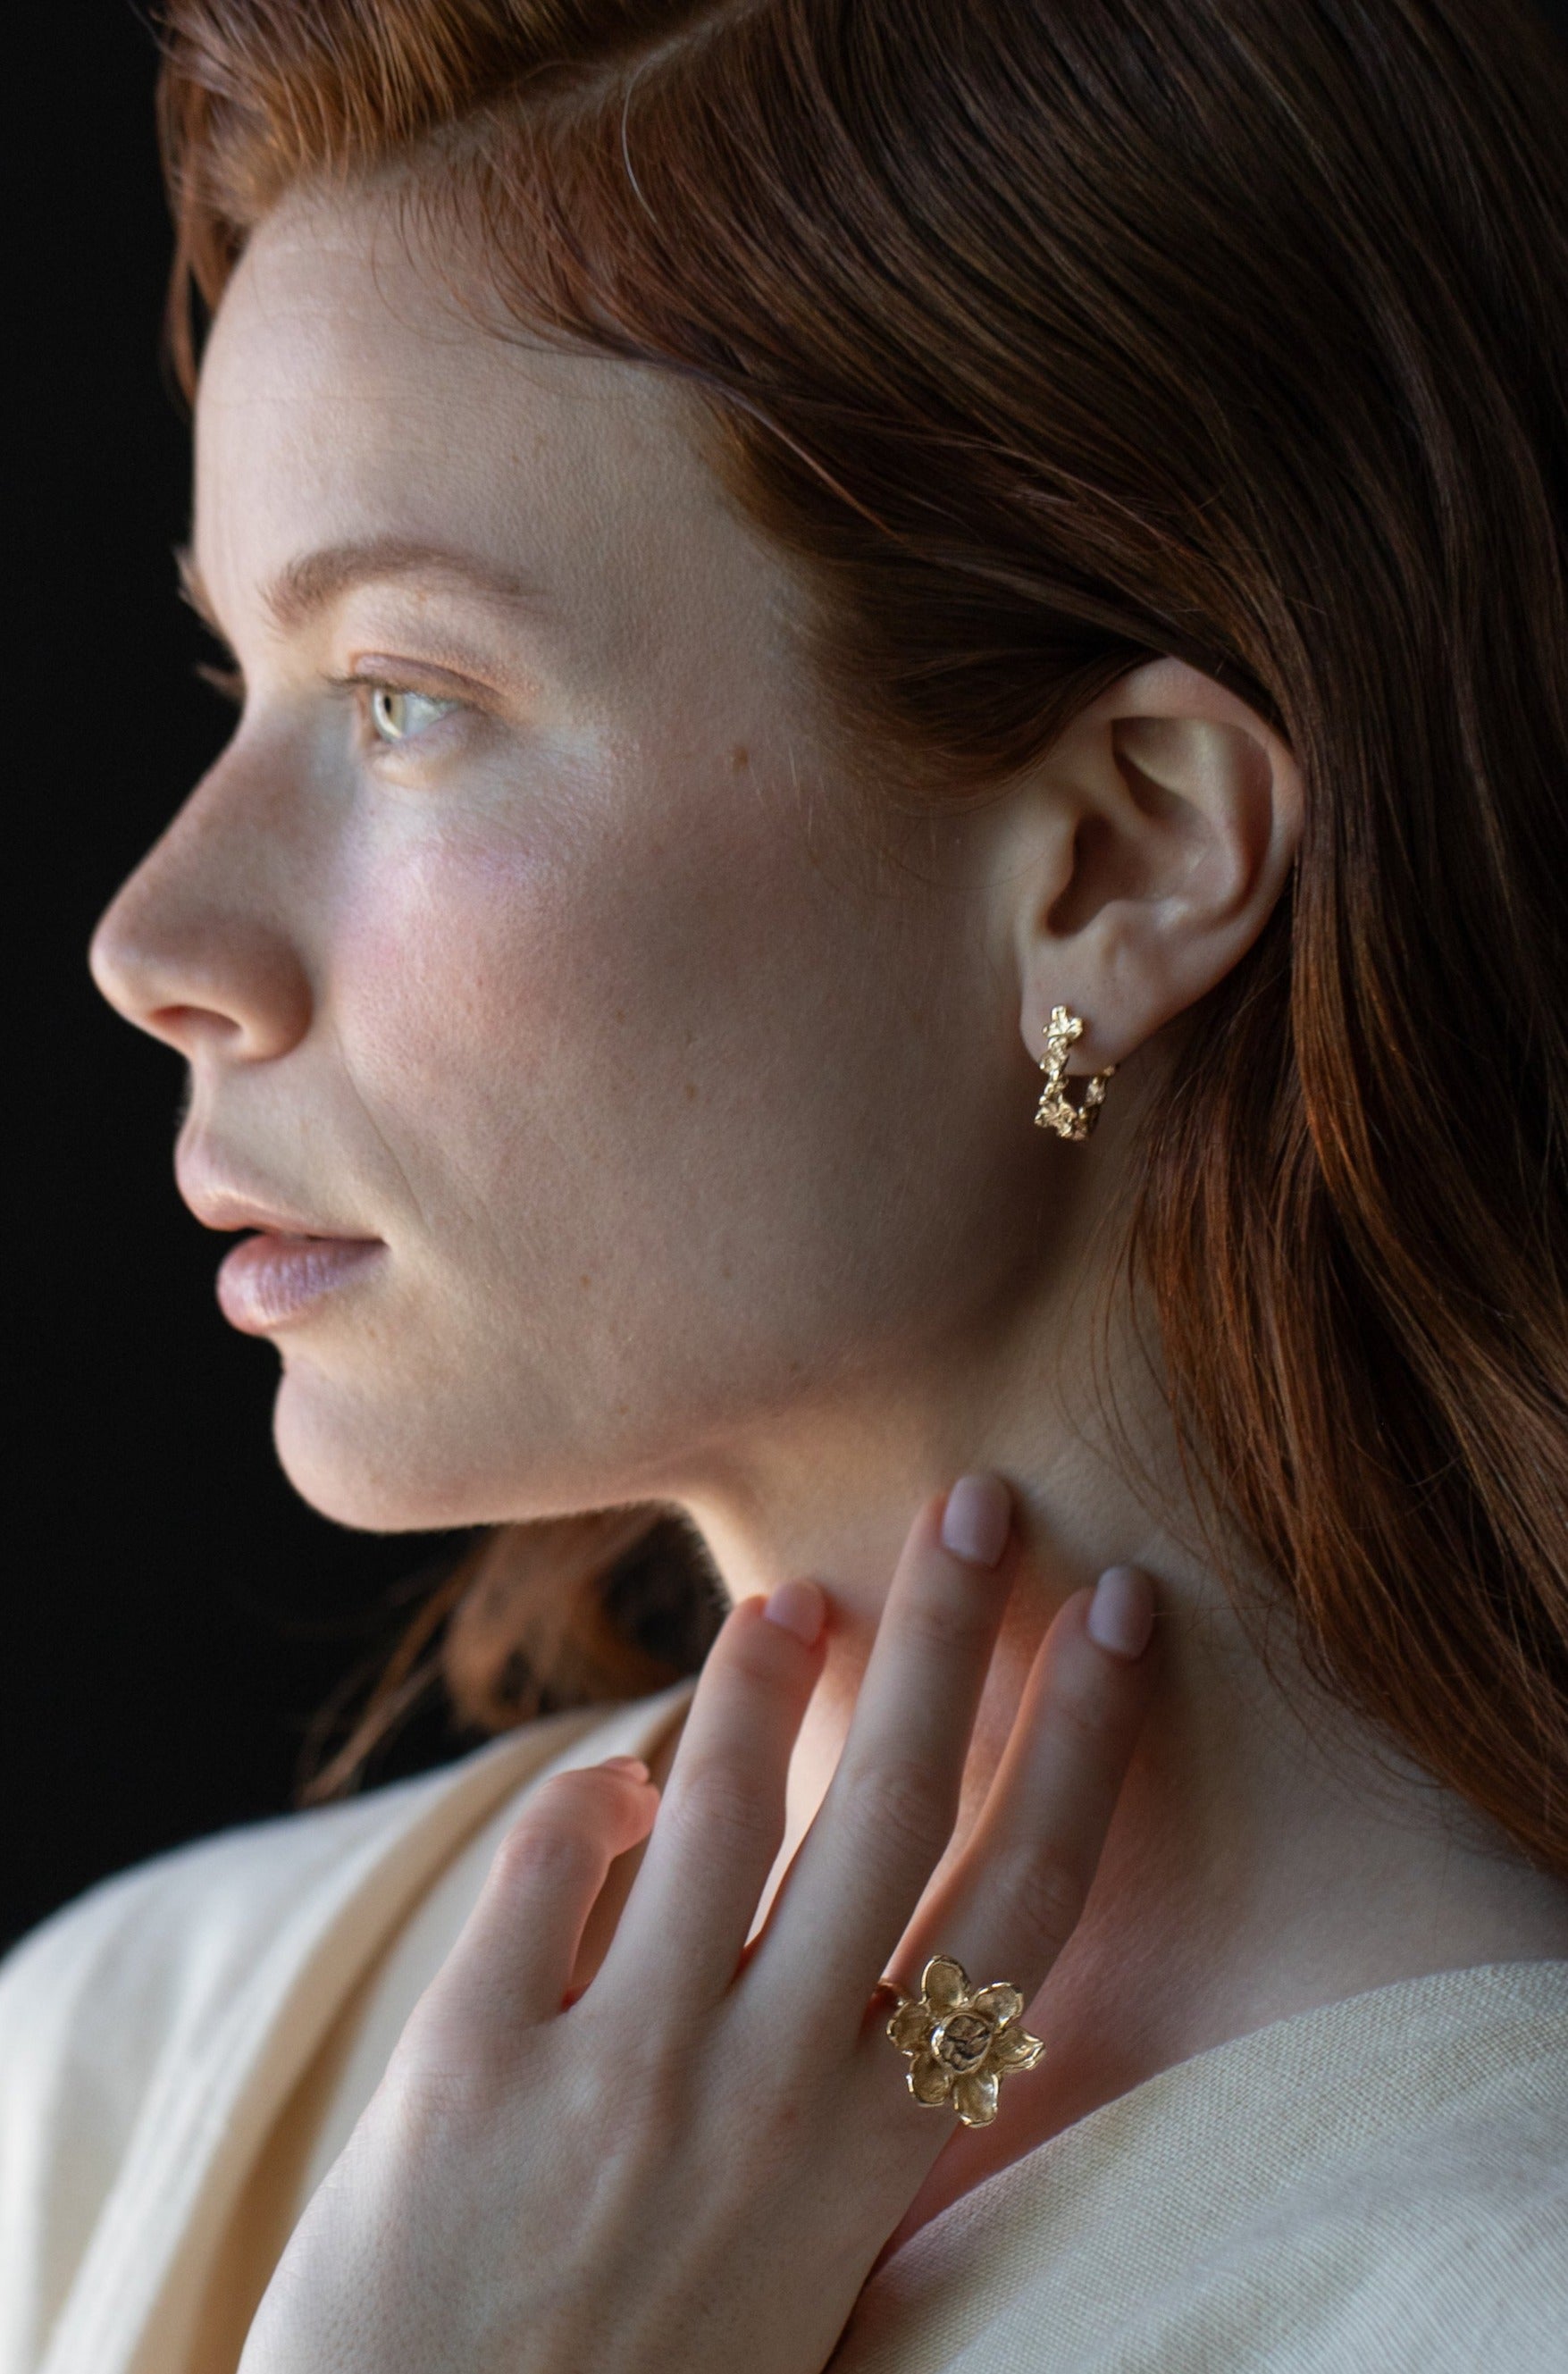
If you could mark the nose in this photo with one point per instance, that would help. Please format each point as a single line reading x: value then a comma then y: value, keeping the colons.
x: 197, y: 946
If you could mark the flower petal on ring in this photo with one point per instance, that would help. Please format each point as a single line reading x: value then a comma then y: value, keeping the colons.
x: 929, y: 2081
x: 1013, y: 2049
x: 911, y: 2025
x: 974, y: 2097
x: 943, y: 1982
x: 1000, y: 2003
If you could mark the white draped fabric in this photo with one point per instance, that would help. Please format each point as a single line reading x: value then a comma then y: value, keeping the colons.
x: 1376, y: 2187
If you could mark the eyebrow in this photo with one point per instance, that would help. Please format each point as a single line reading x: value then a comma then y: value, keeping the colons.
x: 305, y: 587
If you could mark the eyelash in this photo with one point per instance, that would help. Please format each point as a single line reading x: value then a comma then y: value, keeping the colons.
x: 230, y: 685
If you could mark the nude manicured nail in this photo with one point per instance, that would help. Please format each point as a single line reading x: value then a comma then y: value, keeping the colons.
x: 632, y: 1764
x: 1120, y: 1613
x: 976, y: 1519
x: 800, y: 1608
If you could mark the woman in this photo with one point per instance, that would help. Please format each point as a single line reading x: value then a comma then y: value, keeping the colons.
x: 789, y: 564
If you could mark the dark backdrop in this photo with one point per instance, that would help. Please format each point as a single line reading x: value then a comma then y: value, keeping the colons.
x: 173, y: 1617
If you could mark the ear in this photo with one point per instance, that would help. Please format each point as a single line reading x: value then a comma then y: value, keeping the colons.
x: 1174, y: 814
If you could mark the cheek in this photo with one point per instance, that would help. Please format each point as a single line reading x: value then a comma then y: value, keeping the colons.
x: 531, y: 1028
x: 654, y: 1112
x: 445, y: 989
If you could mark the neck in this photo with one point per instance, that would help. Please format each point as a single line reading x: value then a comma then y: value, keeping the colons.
x: 1270, y: 1853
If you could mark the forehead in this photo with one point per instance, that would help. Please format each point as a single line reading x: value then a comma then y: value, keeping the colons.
x: 347, y: 397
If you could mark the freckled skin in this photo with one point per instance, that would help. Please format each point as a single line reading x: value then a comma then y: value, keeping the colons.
x: 692, y: 1099
x: 540, y: 999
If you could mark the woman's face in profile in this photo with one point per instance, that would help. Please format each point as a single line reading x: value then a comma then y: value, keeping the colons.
x: 525, y: 928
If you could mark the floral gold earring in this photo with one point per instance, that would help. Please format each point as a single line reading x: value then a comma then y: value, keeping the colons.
x: 1058, y: 1111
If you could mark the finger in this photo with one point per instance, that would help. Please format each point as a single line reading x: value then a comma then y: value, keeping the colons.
x: 1009, y: 1905
x: 722, y: 1818
x: 513, y: 1958
x: 891, y: 1806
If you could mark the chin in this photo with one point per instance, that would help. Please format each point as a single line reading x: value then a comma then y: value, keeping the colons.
x: 416, y: 1464
x: 368, y: 1468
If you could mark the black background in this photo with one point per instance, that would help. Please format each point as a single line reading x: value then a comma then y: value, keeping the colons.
x: 172, y: 1615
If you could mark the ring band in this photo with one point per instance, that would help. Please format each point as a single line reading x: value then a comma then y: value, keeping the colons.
x: 962, y: 2040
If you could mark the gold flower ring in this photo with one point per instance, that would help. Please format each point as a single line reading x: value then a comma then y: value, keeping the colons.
x: 962, y: 2040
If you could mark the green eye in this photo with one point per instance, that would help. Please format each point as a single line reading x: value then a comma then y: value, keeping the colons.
x: 397, y: 716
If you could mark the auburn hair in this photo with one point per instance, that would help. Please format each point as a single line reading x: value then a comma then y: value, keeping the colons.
x: 1048, y: 335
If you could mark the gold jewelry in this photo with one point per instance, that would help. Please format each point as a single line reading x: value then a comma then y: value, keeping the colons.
x: 1057, y: 1109
x: 962, y: 2040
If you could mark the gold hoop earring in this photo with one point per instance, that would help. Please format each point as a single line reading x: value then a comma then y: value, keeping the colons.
x: 1057, y: 1109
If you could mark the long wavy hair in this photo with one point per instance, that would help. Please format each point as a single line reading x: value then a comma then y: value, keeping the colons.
x: 1047, y: 336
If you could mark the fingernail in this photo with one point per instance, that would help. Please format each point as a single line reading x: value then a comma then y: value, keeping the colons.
x: 1120, y: 1613
x: 976, y: 1519
x: 632, y: 1764
x: 800, y: 1608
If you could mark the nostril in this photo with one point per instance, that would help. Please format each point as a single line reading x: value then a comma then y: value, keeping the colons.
x: 210, y: 979
x: 184, y: 1026
x: 199, y: 944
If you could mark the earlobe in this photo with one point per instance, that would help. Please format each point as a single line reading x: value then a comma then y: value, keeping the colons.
x: 1182, y: 809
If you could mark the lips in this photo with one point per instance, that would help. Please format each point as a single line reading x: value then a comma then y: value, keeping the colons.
x: 292, y: 1262
x: 271, y: 1278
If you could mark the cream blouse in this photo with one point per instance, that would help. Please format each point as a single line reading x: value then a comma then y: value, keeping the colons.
x: 1376, y: 2187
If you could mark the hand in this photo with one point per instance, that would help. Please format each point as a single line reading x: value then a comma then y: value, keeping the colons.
x: 695, y: 2166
